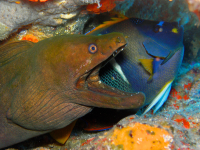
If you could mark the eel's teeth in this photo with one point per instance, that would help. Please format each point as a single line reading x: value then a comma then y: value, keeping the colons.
x: 117, y: 68
x: 160, y: 98
x: 115, y: 53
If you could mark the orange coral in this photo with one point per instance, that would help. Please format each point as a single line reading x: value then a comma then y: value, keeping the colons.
x: 188, y: 86
x: 142, y: 137
x: 185, y: 123
x: 30, y: 37
x: 175, y: 94
x: 17, y: 2
x: 106, y: 6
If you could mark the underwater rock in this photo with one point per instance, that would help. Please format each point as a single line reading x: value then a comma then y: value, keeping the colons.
x: 194, y: 5
x: 40, y: 32
x: 15, y: 14
x: 170, y: 11
x: 195, y: 47
x: 4, y: 30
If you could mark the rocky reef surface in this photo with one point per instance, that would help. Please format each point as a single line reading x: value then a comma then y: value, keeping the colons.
x: 15, y: 14
x: 176, y: 125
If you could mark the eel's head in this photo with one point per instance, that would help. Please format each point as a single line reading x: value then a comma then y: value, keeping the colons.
x: 89, y: 89
x: 71, y: 63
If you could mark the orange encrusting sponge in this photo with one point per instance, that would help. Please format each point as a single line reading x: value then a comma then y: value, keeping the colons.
x: 142, y: 137
x: 106, y: 6
x: 30, y: 37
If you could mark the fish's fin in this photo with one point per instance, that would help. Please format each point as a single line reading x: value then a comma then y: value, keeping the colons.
x: 156, y: 63
x: 147, y: 64
x: 62, y: 135
x: 11, y: 50
x: 155, y: 49
x: 108, y: 23
x: 160, y: 97
x: 168, y: 57
x: 162, y: 100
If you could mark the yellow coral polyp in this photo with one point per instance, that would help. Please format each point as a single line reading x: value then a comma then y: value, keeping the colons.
x: 142, y: 137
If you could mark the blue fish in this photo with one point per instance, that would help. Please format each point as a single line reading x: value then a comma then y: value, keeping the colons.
x: 150, y: 61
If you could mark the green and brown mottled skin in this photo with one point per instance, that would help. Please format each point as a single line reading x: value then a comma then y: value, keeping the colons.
x: 46, y: 86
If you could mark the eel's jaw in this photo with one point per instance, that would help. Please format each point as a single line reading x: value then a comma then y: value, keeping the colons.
x: 103, y: 95
x: 160, y: 98
x: 91, y: 80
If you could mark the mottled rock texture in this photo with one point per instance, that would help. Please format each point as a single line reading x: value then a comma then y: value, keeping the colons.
x: 15, y: 14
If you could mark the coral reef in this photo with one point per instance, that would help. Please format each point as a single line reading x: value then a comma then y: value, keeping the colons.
x: 179, y: 117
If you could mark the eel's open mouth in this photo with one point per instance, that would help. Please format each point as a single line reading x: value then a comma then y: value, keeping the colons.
x: 92, y: 81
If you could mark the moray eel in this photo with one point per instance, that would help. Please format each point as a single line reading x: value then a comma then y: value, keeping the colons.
x: 47, y: 85
x: 150, y: 61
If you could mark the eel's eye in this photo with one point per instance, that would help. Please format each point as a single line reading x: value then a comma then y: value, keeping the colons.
x: 92, y: 48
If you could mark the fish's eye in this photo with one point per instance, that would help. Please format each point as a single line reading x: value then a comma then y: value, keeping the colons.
x: 157, y: 29
x: 92, y: 48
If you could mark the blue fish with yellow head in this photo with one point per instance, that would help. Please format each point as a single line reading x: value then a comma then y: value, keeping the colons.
x: 151, y: 60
